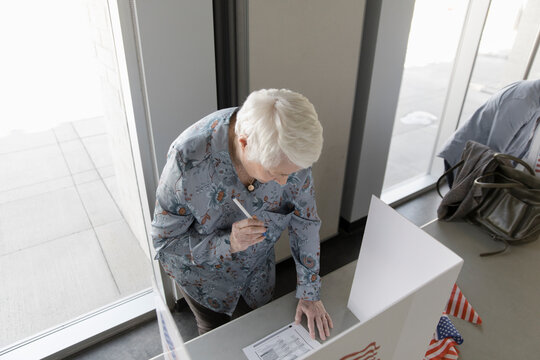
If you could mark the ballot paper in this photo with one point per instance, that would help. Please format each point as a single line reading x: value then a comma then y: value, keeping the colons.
x: 288, y: 343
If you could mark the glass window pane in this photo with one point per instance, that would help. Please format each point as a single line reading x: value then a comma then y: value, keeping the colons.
x: 433, y: 40
x: 70, y: 215
x: 507, y: 40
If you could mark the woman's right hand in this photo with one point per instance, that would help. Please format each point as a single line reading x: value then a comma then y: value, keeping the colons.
x: 245, y: 233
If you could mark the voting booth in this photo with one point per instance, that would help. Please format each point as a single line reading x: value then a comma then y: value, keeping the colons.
x: 402, y: 282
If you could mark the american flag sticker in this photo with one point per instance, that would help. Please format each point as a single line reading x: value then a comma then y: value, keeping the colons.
x: 368, y: 353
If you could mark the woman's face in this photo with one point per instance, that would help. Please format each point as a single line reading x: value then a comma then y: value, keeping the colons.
x: 279, y: 174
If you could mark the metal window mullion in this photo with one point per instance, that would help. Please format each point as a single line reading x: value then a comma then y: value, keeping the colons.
x: 532, y: 56
x: 461, y: 75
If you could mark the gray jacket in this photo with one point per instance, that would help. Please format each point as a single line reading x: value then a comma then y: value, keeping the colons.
x: 505, y: 123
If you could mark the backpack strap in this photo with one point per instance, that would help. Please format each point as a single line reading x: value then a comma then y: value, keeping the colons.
x: 506, y: 246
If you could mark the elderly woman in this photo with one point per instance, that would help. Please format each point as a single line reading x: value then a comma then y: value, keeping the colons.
x: 261, y: 155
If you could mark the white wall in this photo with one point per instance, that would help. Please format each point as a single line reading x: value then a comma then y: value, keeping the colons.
x: 178, y: 67
x: 381, y: 66
x: 312, y: 46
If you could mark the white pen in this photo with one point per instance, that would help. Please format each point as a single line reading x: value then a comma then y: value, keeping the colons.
x: 242, y: 208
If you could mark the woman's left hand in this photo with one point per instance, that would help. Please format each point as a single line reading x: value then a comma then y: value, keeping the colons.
x: 316, y: 315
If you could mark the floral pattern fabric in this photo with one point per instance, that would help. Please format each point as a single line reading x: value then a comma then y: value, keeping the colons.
x: 195, y: 211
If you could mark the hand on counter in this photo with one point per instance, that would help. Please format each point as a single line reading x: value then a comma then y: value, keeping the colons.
x: 316, y: 315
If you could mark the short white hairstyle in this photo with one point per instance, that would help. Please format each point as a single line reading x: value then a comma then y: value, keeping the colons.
x: 280, y: 123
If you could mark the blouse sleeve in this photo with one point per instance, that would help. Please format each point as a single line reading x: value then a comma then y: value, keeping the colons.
x: 304, y: 239
x: 173, y: 220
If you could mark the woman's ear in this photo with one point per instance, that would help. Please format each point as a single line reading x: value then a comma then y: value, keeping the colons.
x: 242, y: 140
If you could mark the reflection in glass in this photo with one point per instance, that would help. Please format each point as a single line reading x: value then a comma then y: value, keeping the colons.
x: 67, y: 241
x: 433, y: 40
x: 504, y: 49
x: 535, y: 66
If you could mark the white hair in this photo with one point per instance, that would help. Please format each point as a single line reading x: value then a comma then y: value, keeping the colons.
x: 280, y: 123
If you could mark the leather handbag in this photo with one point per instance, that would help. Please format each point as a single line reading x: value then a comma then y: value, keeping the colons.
x: 510, y: 210
x: 507, y: 202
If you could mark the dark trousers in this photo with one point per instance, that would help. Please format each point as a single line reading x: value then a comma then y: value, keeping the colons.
x: 207, y: 319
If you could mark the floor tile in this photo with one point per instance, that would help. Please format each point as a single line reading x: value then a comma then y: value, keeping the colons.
x: 98, y: 203
x: 86, y: 176
x: 127, y: 261
x: 76, y: 156
x: 140, y: 343
x: 185, y: 320
x: 52, y: 283
x: 33, y: 166
x: 34, y: 190
x: 99, y: 150
x: 106, y: 171
x: 17, y: 141
x: 112, y: 186
x: 397, y: 172
x: 65, y: 132
x: 29, y: 222
x: 409, y: 155
x: 90, y: 127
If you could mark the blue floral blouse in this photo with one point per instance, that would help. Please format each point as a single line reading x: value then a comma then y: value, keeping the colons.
x: 194, y: 214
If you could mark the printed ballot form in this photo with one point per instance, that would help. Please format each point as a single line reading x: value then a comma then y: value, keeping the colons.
x: 288, y: 343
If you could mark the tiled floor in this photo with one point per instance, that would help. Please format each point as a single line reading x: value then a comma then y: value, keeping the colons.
x: 65, y: 248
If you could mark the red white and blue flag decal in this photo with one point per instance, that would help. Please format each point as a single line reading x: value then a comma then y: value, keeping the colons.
x: 442, y: 350
x: 368, y: 353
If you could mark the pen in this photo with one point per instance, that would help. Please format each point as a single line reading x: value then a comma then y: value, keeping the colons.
x: 242, y: 208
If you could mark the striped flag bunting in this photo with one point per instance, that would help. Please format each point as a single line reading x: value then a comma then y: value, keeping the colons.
x: 442, y: 350
x: 444, y: 344
x: 458, y: 306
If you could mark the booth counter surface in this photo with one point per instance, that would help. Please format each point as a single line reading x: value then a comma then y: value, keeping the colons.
x: 504, y: 289
x: 229, y: 340
x: 501, y: 288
